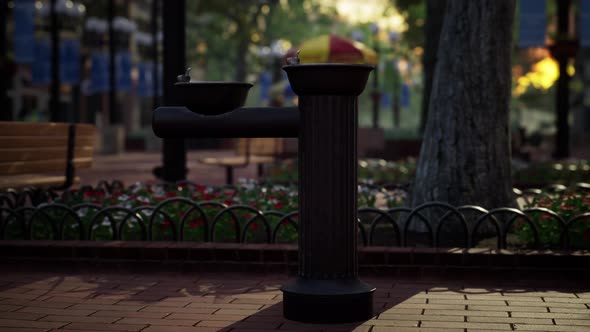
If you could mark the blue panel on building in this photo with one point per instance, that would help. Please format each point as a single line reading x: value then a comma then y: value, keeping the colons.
x: 145, y: 84
x: 532, y: 23
x: 123, y: 70
x: 69, y: 61
x: 24, y: 31
x: 41, y: 66
x: 99, y: 74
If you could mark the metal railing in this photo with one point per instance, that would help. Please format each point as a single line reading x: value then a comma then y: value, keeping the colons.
x: 433, y: 224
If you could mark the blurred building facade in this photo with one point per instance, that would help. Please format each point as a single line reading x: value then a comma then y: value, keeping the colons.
x: 108, y: 64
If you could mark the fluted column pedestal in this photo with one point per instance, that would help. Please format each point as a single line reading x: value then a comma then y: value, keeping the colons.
x: 327, y: 289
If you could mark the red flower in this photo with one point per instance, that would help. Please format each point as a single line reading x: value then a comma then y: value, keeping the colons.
x: 171, y: 194
x: 254, y: 226
x: 278, y: 206
x: 200, y: 188
x: 272, y: 197
x: 216, y: 195
x: 207, y: 197
x: 545, y: 204
x: 228, y: 202
x: 566, y: 207
x: 96, y: 202
x: 166, y: 224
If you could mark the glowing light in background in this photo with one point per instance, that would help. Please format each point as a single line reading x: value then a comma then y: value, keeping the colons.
x: 542, y: 76
x: 380, y: 12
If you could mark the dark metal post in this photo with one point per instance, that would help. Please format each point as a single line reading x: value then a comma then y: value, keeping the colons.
x: 328, y: 289
x: 113, y: 112
x: 55, y: 111
x: 155, y: 50
x: 6, y: 114
x: 376, y: 95
x: 562, y: 137
x: 173, y: 150
x: 396, y: 98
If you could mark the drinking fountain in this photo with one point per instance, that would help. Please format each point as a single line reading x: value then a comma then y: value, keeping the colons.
x: 327, y: 288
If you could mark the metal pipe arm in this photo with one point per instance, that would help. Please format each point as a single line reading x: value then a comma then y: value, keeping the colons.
x: 245, y: 122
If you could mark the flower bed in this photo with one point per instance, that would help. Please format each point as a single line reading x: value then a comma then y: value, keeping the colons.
x: 184, y: 211
x: 552, y: 212
x: 268, y: 214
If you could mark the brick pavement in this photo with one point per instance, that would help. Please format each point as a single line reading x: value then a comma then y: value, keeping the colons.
x: 42, y: 301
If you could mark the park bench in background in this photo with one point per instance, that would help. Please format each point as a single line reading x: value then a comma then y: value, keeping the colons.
x: 254, y: 151
x: 43, y: 155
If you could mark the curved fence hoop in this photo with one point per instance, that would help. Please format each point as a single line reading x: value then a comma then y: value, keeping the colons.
x: 362, y: 230
x: 441, y: 220
x: 286, y: 219
x: 504, y: 229
x: 202, y: 215
x: 4, y: 222
x: 61, y: 224
x: 106, y: 212
x: 382, y: 216
x: 564, y: 235
x: 158, y: 209
x: 267, y: 227
x: 236, y: 223
x: 416, y: 211
x: 570, y: 222
x: 9, y: 199
x: 473, y: 231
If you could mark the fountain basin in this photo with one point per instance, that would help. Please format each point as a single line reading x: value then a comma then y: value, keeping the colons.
x: 211, y: 98
x: 328, y: 78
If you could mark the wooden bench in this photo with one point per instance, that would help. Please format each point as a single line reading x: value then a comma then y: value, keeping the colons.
x: 252, y: 151
x: 32, y: 153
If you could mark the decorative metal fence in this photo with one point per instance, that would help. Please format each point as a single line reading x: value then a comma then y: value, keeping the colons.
x: 34, y: 215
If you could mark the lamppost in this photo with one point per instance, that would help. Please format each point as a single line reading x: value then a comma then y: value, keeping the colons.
x: 376, y: 94
x: 395, y: 98
x: 61, y: 16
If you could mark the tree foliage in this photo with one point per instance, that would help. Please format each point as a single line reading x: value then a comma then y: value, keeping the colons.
x: 225, y: 36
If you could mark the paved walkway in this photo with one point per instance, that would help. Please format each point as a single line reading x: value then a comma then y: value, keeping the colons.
x: 131, y: 167
x: 231, y: 302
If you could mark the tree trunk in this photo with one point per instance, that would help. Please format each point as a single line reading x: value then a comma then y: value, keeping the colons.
x: 435, y: 16
x: 465, y: 155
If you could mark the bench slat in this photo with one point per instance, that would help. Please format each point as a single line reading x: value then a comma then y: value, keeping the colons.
x: 42, y: 166
x: 11, y: 142
x: 85, y: 129
x: 33, y: 129
x: 12, y: 128
x: 32, y: 154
